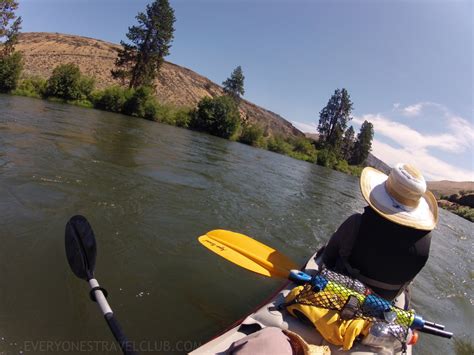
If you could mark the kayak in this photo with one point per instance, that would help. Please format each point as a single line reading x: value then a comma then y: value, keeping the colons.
x: 268, y: 315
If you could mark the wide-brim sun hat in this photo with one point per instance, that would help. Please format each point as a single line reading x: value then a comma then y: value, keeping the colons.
x: 400, y: 197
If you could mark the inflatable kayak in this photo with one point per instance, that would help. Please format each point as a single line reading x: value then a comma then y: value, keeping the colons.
x: 268, y: 315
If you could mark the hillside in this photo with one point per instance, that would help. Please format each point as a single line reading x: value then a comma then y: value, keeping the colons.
x: 175, y: 85
x: 448, y: 188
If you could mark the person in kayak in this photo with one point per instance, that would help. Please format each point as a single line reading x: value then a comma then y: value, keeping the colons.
x: 386, y: 246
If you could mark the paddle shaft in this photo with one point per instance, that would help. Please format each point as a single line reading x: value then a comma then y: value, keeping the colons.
x: 112, y: 322
x: 435, y: 331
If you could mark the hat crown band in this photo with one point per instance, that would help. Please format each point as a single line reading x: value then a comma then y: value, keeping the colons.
x: 405, y: 185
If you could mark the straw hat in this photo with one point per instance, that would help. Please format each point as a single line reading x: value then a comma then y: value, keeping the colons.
x: 400, y: 197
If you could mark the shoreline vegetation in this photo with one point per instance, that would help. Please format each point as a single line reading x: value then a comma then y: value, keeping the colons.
x: 68, y: 85
x: 461, y: 204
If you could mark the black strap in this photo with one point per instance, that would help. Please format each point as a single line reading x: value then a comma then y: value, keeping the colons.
x: 92, y: 293
x: 351, y: 308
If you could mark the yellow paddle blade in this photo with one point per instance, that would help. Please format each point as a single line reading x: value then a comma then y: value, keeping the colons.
x: 232, y: 255
x: 248, y: 253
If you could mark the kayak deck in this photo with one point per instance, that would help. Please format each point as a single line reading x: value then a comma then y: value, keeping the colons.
x: 270, y: 316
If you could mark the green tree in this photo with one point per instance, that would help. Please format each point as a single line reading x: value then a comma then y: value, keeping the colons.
x: 348, y: 143
x: 218, y: 116
x: 9, y: 32
x: 234, y: 86
x: 10, y: 71
x: 333, y: 120
x: 66, y: 82
x: 140, y: 59
x: 363, y: 144
x: 11, y: 63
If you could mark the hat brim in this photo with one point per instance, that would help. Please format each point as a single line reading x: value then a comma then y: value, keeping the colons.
x: 424, y: 216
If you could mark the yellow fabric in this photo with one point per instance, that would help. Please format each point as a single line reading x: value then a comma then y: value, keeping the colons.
x: 329, y: 323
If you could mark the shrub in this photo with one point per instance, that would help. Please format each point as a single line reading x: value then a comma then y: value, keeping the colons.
x: 218, y: 116
x: 327, y: 158
x: 302, y: 156
x: 111, y: 99
x: 31, y: 87
x: 465, y: 212
x: 152, y: 110
x: 82, y: 103
x: 252, y: 135
x: 67, y: 83
x: 182, y: 117
x: 175, y: 116
x: 355, y: 170
x: 305, y: 147
x: 135, y: 104
x: 10, y: 70
x: 86, y: 85
x: 342, y: 166
x: 279, y: 145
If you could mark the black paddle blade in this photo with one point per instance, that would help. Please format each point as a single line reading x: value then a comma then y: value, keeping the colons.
x: 81, y: 249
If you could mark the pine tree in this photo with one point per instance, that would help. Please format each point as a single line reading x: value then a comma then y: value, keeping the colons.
x: 363, y: 144
x: 333, y: 119
x: 348, y: 143
x: 234, y: 86
x: 149, y: 42
x: 8, y: 32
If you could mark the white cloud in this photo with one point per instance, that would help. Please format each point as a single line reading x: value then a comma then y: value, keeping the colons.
x: 413, y: 110
x: 415, y: 147
x: 454, y: 142
x: 462, y: 129
x: 433, y: 168
x: 306, y: 127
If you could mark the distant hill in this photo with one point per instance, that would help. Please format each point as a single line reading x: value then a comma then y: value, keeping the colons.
x: 176, y: 85
x: 448, y: 188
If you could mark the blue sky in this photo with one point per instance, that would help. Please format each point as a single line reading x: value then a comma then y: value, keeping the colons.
x: 408, y: 65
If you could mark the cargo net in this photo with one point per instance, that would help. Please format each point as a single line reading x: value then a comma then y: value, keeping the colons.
x: 331, y: 290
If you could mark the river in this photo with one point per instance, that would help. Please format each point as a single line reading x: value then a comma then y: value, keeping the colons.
x: 149, y: 190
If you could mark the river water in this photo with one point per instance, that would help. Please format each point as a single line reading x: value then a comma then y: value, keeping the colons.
x: 149, y: 190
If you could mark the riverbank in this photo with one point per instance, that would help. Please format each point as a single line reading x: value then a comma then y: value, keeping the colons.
x: 141, y: 103
x: 461, y: 204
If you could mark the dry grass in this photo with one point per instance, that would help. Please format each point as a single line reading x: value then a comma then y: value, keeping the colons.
x: 175, y: 85
x: 448, y: 188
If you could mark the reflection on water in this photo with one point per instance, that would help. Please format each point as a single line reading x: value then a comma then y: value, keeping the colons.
x: 149, y: 191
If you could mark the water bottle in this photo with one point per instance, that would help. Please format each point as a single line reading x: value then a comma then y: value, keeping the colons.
x: 381, y: 335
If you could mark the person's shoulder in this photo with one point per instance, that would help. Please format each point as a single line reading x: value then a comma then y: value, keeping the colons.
x: 353, y: 218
